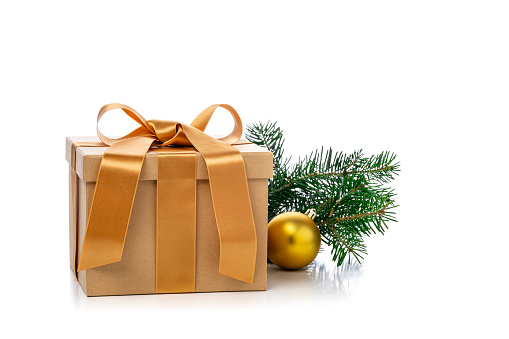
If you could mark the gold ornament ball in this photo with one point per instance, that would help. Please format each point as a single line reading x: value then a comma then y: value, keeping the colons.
x: 294, y: 240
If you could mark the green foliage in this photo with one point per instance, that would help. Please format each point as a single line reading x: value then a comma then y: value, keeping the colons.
x: 347, y: 190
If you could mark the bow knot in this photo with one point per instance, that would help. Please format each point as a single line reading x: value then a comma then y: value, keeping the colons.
x: 168, y: 132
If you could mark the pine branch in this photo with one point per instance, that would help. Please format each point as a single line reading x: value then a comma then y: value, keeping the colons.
x: 269, y: 136
x: 346, y: 190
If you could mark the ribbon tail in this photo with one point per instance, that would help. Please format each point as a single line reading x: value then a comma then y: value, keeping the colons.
x: 232, y: 205
x: 116, y: 185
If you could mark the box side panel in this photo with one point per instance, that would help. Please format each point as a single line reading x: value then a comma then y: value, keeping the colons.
x: 82, y: 225
x: 135, y: 273
x: 72, y: 226
x: 259, y: 188
x: 208, y: 278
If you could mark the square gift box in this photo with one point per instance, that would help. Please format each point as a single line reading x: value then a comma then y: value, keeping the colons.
x: 145, y: 251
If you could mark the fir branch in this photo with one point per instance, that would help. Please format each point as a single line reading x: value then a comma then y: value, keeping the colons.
x: 346, y: 190
x: 269, y: 136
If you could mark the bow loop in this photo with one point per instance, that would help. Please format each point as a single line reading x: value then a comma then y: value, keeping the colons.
x: 202, y: 120
x: 142, y: 131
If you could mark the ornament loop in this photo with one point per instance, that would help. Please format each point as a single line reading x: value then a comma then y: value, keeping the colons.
x: 311, y: 213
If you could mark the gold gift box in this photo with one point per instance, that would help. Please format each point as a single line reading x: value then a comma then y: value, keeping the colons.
x: 136, y: 272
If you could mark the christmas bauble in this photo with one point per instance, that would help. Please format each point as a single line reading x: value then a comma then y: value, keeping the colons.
x: 294, y: 240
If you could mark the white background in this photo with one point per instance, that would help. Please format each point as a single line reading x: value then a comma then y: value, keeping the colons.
x: 428, y: 80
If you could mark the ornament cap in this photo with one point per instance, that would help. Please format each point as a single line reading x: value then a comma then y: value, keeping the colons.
x: 311, y: 213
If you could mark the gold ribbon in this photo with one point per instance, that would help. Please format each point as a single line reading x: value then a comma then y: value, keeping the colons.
x: 116, y: 187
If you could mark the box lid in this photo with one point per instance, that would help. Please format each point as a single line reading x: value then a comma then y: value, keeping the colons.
x: 258, y: 161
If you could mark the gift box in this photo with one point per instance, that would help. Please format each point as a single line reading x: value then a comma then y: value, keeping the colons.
x: 168, y: 209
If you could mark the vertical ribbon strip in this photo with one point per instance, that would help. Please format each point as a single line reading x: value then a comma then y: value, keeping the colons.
x: 176, y: 220
x: 118, y: 178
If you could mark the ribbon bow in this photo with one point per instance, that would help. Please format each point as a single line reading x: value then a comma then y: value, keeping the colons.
x: 119, y: 174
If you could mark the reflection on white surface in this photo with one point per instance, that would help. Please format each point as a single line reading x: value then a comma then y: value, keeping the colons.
x: 330, y: 279
x: 321, y: 280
